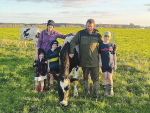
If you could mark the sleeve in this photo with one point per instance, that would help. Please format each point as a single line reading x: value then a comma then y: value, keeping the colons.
x: 35, y: 64
x: 100, y: 38
x: 58, y: 49
x: 59, y: 35
x: 99, y: 49
x: 39, y: 43
x: 74, y: 42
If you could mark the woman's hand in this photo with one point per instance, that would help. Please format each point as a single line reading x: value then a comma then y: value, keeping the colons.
x: 73, y: 34
x: 36, y: 57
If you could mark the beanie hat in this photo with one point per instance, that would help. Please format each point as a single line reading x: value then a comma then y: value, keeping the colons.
x: 50, y: 22
x: 41, y: 51
x: 107, y: 33
x: 54, y: 42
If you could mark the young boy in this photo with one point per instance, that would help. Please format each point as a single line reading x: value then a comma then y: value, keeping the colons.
x: 107, y: 61
x: 53, y: 61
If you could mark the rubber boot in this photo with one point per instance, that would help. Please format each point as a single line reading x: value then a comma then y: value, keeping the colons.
x: 86, y: 86
x: 96, y: 89
x: 41, y: 90
x: 56, y: 87
x: 36, y: 88
x: 111, y: 92
x: 105, y: 90
x: 51, y: 87
x: 44, y: 84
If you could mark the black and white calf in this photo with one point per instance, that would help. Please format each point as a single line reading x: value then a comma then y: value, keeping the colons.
x: 29, y: 34
x: 67, y: 65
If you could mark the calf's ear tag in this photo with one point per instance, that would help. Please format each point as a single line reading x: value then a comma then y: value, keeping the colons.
x: 75, y: 82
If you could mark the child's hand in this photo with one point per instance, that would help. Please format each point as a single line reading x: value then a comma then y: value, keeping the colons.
x: 100, y: 64
x: 115, y: 67
x: 34, y: 63
x: 45, y: 62
x: 116, y: 48
x: 62, y: 44
x: 48, y: 70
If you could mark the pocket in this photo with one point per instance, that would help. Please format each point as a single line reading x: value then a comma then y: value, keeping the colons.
x: 95, y: 40
x: 84, y: 40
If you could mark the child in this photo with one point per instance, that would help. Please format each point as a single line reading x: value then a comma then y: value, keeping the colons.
x: 53, y: 61
x: 107, y: 61
x: 41, y: 69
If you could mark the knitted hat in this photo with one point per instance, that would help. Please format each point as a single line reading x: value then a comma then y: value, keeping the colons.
x: 40, y: 51
x: 50, y: 22
x: 54, y: 42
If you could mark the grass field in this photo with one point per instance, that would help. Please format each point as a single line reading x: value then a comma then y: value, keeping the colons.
x: 131, y: 79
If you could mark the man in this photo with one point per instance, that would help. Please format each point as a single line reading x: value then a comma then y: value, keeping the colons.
x: 88, y: 40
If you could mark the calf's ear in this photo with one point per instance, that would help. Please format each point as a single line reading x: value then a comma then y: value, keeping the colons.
x: 74, y: 80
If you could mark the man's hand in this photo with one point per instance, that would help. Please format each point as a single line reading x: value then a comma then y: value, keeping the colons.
x: 71, y: 55
x: 100, y: 64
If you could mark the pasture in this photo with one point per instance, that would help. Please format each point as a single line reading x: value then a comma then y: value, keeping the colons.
x: 131, y: 79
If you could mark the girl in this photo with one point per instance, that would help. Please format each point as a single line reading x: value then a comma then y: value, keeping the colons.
x: 41, y: 69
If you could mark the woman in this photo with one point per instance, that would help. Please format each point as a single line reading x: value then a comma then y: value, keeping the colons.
x: 47, y: 36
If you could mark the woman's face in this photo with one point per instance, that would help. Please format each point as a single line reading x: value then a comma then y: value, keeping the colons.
x: 50, y: 27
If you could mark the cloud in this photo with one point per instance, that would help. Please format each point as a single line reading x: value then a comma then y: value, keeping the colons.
x: 147, y: 4
x: 114, y: 2
x: 65, y: 3
x: 26, y: 14
x: 92, y: 14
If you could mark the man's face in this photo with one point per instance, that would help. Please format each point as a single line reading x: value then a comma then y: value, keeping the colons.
x: 90, y: 27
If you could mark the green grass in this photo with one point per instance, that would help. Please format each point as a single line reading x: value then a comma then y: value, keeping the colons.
x: 131, y: 79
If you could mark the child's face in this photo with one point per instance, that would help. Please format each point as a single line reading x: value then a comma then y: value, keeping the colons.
x: 54, y: 46
x: 41, y: 55
x: 106, y: 38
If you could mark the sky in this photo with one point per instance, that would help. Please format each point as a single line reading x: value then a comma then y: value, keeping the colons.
x: 76, y: 11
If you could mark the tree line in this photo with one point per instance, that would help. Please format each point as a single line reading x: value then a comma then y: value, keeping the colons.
x: 68, y: 25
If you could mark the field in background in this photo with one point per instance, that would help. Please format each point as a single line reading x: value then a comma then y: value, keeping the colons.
x: 131, y: 79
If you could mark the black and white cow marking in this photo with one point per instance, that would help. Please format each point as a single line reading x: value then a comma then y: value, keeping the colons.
x: 29, y: 34
x: 67, y: 65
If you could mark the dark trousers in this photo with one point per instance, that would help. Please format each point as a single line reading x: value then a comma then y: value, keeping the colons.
x: 94, y: 72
